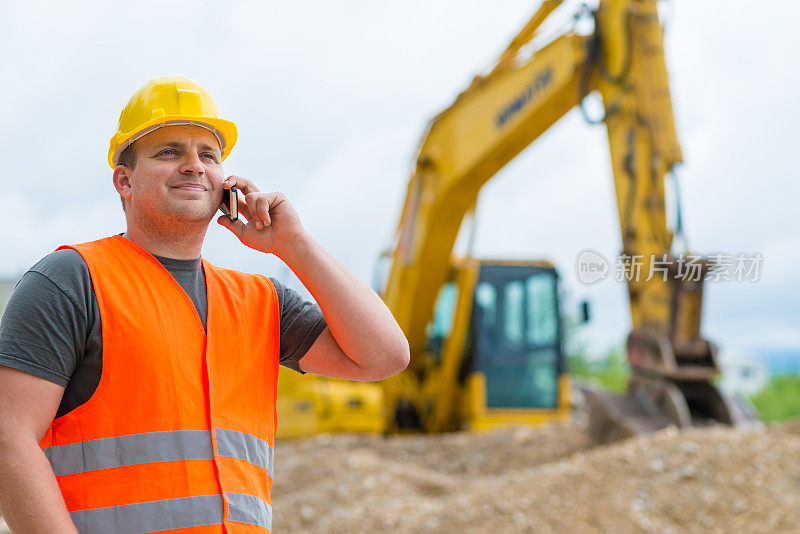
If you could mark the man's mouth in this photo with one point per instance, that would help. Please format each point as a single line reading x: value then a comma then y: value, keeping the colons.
x: 189, y: 187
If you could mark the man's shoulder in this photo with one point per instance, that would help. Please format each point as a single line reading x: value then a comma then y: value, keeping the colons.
x: 65, y: 270
x: 64, y: 267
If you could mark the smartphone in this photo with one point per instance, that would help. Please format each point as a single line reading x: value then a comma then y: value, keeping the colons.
x: 230, y: 203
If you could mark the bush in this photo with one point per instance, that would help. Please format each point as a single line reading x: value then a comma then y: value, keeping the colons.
x: 780, y: 398
x: 610, y: 372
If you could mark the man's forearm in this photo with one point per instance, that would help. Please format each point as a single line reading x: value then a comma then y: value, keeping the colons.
x: 30, y: 499
x: 362, y: 325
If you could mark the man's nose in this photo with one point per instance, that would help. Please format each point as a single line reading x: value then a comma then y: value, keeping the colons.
x: 192, y: 164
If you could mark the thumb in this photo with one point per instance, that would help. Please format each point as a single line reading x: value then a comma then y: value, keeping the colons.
x: 237, y: 226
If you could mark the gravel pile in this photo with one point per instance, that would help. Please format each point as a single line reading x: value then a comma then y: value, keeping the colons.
x: 541, y: 480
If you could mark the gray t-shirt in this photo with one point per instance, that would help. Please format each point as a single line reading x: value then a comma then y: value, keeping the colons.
x: 51, y: 326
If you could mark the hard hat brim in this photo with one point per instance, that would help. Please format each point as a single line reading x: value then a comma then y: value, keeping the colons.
x: 224, y: 131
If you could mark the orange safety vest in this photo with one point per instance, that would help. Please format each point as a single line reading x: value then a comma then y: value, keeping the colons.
x: 179, y: 434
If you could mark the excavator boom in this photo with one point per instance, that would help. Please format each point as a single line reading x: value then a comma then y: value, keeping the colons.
x: 464, y: 146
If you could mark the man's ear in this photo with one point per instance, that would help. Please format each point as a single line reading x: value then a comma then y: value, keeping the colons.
x: 122, y: 181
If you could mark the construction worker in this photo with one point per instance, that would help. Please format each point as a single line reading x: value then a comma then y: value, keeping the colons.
x: 138, y: 380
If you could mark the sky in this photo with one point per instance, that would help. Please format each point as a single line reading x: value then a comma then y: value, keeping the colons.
x: 331, y: 98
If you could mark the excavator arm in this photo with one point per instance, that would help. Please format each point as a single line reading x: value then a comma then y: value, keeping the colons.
x: 671, y: 363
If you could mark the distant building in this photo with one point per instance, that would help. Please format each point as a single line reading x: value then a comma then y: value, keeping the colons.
x: 743, y: 375
x: 6, y: 288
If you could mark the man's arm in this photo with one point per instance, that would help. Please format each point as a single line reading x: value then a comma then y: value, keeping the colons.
x: 44, y: 328
x: 362, y: 340
x: 30, y: 499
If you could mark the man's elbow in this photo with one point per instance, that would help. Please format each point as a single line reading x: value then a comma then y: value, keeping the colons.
x: 403, y: 357
x: 395, y: 359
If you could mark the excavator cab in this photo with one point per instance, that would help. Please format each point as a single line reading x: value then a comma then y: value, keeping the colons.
x: 510, y: 363
x: 515, y: 335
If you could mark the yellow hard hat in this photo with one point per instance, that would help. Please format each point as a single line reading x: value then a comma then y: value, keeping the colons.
x: 168, y: 101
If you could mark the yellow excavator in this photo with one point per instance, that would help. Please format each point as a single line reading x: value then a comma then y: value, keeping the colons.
x: 486, y: 337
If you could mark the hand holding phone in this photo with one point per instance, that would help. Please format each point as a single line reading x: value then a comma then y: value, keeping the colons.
x: 230, y: 203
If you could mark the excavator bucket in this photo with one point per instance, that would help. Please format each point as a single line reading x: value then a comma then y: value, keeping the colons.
x: 616, y: 417
x: 656, y: 404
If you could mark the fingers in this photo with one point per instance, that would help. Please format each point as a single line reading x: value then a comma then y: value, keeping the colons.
x: 263, y: 207
x: 243, y: 184
x: 246, y: 187
x: 259, y: 205
x: 253, y: 204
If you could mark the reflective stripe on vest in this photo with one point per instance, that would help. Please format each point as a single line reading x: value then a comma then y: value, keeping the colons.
x: 169, y: 514
x: 245, y: 447
x: 249, y: 509
x: 167, y: 446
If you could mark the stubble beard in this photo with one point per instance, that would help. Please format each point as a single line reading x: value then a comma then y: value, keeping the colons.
x: 176, y: 221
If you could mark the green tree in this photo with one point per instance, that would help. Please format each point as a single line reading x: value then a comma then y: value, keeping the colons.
x: 780, y: 398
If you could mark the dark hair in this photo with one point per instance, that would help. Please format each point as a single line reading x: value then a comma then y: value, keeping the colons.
x: 127, y: 158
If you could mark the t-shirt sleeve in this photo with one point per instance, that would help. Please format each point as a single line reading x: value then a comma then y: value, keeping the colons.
x: 301, y: 324
x: 44, y: 326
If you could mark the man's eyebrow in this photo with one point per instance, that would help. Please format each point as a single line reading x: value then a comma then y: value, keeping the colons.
x: 204, y: 146
x: 176, y: 144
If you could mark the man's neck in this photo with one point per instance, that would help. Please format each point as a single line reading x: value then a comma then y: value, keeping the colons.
x: 180, y: 246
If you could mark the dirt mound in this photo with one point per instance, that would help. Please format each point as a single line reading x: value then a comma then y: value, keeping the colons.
x: 541, y: 480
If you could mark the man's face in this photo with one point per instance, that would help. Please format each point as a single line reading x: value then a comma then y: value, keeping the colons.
x: 178, y: 175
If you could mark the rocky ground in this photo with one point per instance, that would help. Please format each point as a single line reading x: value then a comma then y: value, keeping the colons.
x: 540, y: 480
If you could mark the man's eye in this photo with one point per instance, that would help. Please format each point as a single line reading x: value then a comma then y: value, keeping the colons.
x: 166, y: 152
x: 212, y: 157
